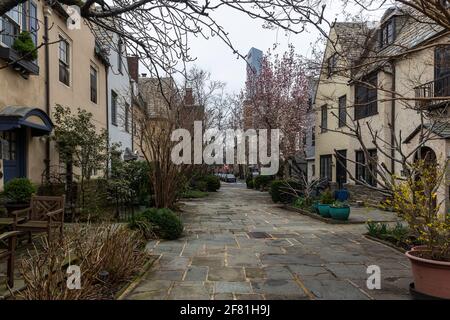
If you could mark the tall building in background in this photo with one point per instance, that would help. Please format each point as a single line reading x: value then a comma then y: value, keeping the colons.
x: 253, y: 59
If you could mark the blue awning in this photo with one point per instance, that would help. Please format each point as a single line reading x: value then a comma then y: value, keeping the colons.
x: 21, y: 117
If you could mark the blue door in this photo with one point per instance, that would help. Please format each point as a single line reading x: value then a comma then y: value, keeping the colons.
x: 14, y: 164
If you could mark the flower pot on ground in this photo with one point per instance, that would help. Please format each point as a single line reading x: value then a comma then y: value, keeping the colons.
x: 340, y: 211
x: 415, y: 199
x: 326, y: 199
x: 431, y: 277
x: 324, y: 210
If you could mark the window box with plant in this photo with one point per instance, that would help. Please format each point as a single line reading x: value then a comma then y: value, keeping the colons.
x: 340, y: 210
x: 22, y: 55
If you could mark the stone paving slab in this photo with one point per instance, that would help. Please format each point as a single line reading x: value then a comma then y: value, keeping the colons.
x: 250, y: 249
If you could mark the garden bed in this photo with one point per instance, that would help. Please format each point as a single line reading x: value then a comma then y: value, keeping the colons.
x: 127, y: 288
x: 386, y: 243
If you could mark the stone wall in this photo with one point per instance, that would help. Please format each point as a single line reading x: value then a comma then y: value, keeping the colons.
x: 361, y: 193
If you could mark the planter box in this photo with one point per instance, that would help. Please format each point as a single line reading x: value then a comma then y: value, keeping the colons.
x: 11, y: 56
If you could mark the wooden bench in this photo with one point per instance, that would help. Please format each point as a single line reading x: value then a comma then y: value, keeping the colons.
x: 44, y: 215
x: 9, y: 254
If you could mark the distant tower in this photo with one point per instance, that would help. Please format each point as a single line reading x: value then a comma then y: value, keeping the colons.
x: 253, y: 58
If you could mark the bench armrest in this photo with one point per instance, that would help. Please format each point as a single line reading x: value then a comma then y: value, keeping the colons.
x: 9, y: 234
x: 21, y: 213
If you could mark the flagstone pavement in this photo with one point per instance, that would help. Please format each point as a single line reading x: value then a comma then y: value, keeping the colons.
x: 239, y: 245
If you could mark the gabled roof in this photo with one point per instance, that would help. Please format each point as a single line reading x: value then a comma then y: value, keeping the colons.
x: 412, y: 30
x: 441, y: 129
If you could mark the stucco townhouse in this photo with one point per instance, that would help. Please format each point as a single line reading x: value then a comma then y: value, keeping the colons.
x: 382, y: 75
x: 121, y: 89
x: 70, y: 70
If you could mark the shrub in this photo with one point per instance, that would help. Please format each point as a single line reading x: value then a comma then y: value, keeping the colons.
x: 194, y: 194
x: 249, y: 182
x: 416, y: 201
x: 201, y: 185
x: 262, y: 182
x: 166, y: 224
x: 326, y: 197
x: 212, y: 183
x: 19, y: 190
x: 25, y: 46
x: 95, y: 249
x: 278, y: 191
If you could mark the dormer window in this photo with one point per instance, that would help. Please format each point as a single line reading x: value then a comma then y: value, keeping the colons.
x: 387, y: 35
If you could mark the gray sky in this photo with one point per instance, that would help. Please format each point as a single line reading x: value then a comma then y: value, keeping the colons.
x: 213, y: 55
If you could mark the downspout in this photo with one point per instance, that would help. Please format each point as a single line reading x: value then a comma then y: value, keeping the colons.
x: 47, y: 13
x: 107, y: 118
x: 393, y: 112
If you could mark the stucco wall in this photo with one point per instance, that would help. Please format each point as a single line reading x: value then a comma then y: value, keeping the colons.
x: 17, y: 91
x: 120, y: 84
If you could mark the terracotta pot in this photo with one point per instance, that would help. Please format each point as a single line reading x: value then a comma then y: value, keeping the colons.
x: 431, y: 277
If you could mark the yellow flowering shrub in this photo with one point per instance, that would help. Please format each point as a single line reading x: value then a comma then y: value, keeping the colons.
x: 415, y: 200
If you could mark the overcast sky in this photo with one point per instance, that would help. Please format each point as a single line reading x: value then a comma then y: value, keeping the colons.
x: 213, y: 55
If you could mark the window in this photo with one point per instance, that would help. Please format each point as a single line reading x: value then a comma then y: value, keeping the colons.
x: 113, y: 108
x: 11, y: 24
x: 33, y: 22
x: 64, y: 61
x: 11, y: 148
x: 127, y: 117
x: 332, y: 64
x: 387, y: 33
x: 313, y: 169
x: 325, y: 167
x: 324, y: 118
x: 313, y: 136
x: 366, y: 97
x: 364, y: 168
x: 342, y: 111
x: 442, y: 71
x: 119, y: 56
x: 21, y: 18
x: 93, y: 84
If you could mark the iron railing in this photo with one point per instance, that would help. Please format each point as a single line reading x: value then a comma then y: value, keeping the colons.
x: 433, y: 93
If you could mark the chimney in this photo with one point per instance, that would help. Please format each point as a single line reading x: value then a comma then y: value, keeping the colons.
x: 189, y: 97
x: 133, y: 68
x: 144, y: 75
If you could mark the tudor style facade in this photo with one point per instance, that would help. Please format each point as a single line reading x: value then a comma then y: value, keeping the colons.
x: 379, y: 75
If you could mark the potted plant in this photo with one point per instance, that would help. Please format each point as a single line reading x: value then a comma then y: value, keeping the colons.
x: 18, y: 194
x: 340, y: 210
x: 415, y: 200
x: 326, y: 198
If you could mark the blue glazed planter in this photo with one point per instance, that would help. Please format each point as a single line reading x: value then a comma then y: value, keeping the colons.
x: 342, y: 195
x: 315, y: 207
x: 340, y: 213
x: 324, y: 210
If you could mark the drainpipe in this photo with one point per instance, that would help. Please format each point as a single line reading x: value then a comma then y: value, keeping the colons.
x: 47, y: 13
x: 107, y: 118
x: 394, y: 88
